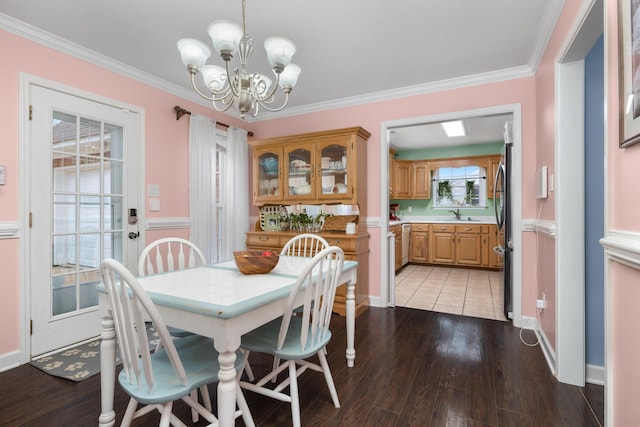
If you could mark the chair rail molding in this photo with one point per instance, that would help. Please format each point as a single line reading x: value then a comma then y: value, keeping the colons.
x: 167, y: 223
x: 548, y: 228
x: 623, y: 247
x: 9, y: 230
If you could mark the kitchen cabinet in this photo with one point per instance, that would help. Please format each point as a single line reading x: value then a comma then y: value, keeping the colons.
x: 402, y: 179
x: 496, y: 238
x: 397, y: 230
x: 443, y: 243
x: 411, y: 179
x: 420, y: 180
x: 472, y: 245
x: 313, y: 168
x: 355, y: 247
x: 492, y: 170
x: 419, y: 243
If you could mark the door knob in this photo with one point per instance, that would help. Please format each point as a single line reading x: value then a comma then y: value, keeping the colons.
x: 134, y: 235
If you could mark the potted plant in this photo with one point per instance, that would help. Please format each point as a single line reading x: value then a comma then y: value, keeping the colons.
x: 468, y: 198
x: 444, y: 190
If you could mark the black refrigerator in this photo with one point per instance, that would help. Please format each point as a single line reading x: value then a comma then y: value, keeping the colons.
x: 502, y: 205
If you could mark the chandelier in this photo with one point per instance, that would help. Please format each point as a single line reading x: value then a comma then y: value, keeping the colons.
x: 248, y: 91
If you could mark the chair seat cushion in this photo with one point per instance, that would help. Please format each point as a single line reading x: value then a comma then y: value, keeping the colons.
x: 265, y: 340
x: 200, y: 361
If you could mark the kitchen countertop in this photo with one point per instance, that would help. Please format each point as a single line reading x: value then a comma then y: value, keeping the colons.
x: 444, y: 220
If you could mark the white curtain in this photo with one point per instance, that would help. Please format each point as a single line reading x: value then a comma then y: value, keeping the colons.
x: 202, y: 197
x: 236, y: 193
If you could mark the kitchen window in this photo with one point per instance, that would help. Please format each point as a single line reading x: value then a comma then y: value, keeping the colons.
x: 463, y: 186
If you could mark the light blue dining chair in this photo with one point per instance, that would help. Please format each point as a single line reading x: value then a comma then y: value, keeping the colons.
x: 169, y: 254
x: 157, y: 379
x: 293, y: 339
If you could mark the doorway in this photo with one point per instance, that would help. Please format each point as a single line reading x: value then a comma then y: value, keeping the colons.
x: 515, y: 111
x: 83, y: 173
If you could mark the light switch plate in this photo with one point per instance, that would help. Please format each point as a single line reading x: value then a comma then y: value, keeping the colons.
x: 153, y: 190
x: 154, y: 205
x: 3, y: 175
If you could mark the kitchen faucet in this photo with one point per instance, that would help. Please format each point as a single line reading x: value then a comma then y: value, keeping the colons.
x: 456, y: 213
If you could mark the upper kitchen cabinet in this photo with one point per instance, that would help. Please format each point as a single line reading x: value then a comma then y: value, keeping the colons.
x: 492, y: 170
x: 411, y: 179
x: 317, y: 168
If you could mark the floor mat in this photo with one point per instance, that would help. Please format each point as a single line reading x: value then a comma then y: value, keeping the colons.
x: 80, y: 362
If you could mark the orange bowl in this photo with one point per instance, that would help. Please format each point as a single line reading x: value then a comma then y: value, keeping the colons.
x: 255, y: 262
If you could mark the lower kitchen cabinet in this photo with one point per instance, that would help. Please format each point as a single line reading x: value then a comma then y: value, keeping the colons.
x: 419, y: 243
x: 355, y: 247
x: 397, y: 230
x: 454, y: 244
x: 443, y: 243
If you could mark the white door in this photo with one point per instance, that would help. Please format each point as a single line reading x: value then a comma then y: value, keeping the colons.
x: 83, y: 158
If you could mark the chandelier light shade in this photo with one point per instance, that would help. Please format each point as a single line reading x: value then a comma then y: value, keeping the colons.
x: 247, y: 91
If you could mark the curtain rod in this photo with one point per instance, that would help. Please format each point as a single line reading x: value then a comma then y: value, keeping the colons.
x: 181, y: 112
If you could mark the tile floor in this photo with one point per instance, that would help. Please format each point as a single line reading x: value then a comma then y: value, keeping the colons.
x: 469, y: 292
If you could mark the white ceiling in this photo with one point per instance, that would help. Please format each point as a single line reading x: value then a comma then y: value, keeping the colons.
x: 349, y: 51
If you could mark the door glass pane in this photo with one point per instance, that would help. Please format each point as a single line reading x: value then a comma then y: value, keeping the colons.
x: 89, y: 213
x: 64, y: 206
x: 113, y: 211
x: 87, y: 220
x: 299, y: 162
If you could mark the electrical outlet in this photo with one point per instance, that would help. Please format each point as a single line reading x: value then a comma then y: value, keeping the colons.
x: 540, y: 303
x: 409, y: 209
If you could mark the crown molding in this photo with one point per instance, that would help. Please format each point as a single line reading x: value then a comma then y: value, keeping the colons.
x: 52, y: 41
x: 405, y: 92
x: 546, y: 31
x: 44, y: 38
x: 623, y: 247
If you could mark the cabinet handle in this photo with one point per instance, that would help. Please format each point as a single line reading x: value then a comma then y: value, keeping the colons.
x: 467, y: 229
x: 264, y: 238
x: 443, y: 228
x: 337, y: 241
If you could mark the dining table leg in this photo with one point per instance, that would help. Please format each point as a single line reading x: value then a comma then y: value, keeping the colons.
x: 107, y: 372
x: 227, y: 389
x: 351, y: 322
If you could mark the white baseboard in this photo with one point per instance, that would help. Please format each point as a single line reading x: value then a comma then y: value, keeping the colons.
x: 531, y: 323
x: 595, y: 375
x: 9, y: 360
x: 376, y: 302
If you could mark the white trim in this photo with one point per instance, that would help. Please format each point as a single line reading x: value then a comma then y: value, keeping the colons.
x: 376, y: 302
x: 547, y: 350
x: 372, y: 222
x: 9, y: 230
x: 622, y: 247
x: 569, y: 217
x: 9, y: 360
x: 547, y: 228
x: 26, y: 81
x: 420, y: 89
x: 595, y: 375
x: 516, y: 111
x: 532, y: 324
x: 546, y: 28
x: 52, y: 41
x: 167, y: 223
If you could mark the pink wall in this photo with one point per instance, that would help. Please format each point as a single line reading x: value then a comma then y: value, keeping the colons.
x: 623, y: 292
x: 166, y: 147
x: 370, y: 117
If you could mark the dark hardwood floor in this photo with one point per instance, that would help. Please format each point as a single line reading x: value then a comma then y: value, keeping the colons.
x: 413, y: 368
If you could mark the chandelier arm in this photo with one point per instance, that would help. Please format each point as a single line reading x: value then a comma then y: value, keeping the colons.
x: 195, y: 87
x: 223, y: 94
x: 269, y: 97
x: 222, y: 110
x: 266, y: 107
x: 234, y: 90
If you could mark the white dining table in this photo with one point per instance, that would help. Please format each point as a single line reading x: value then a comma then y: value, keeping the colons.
x: 219, y: 302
